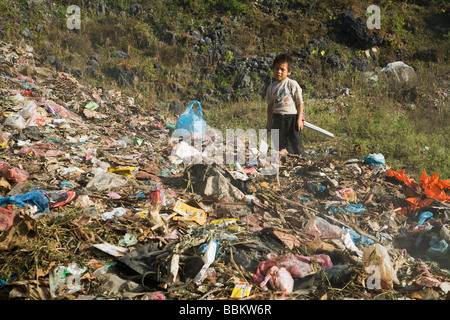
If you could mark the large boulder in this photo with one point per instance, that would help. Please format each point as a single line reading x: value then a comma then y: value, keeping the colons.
x: 399, y: 71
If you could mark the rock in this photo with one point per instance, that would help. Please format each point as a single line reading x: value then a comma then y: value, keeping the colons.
x: 77, y: 73
x: 141, y: 40
x: 399, y: 71
x: 169, y: 38
x: 244, y: 81
x: 228, y: 89
x: 120, y: 54
x: 93, y: 63
x: 360, y: 64
x: 196, y: 35
x: 370, y: 76
x: 26, y: 33
x: 355, y: 31
x: 123, y: 76
x: 135, y: 9
x: 336, y: 62
x: 177, y: 107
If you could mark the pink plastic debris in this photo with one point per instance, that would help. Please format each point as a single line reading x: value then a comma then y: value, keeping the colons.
x: 6, y: 219
x: 279, y: 279
x: 426, y: 279
x: 37, y: 150
x: 15, y: 174
x: 279, y: 271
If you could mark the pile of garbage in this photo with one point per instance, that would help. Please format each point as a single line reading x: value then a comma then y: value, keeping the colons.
x: 97, y: 205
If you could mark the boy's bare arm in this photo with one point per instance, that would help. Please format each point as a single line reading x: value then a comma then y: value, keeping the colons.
x: 300, y: 116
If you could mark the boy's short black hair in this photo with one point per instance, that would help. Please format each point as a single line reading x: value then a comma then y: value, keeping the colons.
x: 282, y: 58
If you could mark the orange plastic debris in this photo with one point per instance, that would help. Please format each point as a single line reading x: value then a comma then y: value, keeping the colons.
x: 435, y: 188
x: 432, y: 187
x: 400, y: 175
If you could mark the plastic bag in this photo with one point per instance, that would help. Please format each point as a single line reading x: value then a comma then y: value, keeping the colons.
x: 280, y: 271
x: 106, y: 180
x: 65, y: 280
x: 35, y: 198
x: 208, y: 259
x: 191, y: 122
x: 6, y: 219
x: 186, y: 153
x: 323, y: 229
x: 15, y: 121
x: 376, y: 159
x: 15, y: 174
x: 279, y: 279
x: 376, y: 259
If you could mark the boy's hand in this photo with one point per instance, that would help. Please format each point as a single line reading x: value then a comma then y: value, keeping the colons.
x: 300, y: 124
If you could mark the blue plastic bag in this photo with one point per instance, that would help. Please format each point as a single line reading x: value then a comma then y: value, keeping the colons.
x: 358, y: 239
x: 424, y: 216
x: 36, y: 198
x: 375, y: 159
x: 191, y: 122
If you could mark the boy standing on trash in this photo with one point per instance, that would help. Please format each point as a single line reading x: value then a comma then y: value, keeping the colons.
x: 285, y: 107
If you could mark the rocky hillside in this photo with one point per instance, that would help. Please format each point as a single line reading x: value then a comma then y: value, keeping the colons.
x: 219, y: 52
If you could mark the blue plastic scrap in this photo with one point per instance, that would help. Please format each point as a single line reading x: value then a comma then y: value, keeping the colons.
x: 358, y: 239
x: 424, y: 216
x: 33, y: 198
x: 376, y: 159
x: 351, y: 208
x: 204, y: 246
x: 438, y: 247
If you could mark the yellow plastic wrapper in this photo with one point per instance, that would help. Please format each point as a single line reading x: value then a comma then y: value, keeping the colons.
x: 125, y: 171
x: 189, y: 213
x: 241, y: 290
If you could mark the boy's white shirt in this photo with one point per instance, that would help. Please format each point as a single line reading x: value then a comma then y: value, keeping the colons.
x: 284, y: 96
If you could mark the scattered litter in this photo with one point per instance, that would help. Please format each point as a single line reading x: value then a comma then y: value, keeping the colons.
x: 98, y: 202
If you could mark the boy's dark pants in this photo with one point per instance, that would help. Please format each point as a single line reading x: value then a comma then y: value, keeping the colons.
x: 290, y: 137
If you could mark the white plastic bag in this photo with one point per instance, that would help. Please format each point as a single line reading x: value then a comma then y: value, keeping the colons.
x: 106, y: 180
x: 378, y: 264
x: 208, y: 259
x: 15, y: 121
x: 184, y: 153
x: 65, y: 280
x: 323, y: 229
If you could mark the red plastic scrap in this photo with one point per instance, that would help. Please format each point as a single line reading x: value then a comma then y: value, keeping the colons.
x: 29, y: 93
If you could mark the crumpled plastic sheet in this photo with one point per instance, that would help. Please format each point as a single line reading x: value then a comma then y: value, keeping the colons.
x: 15, y: 174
